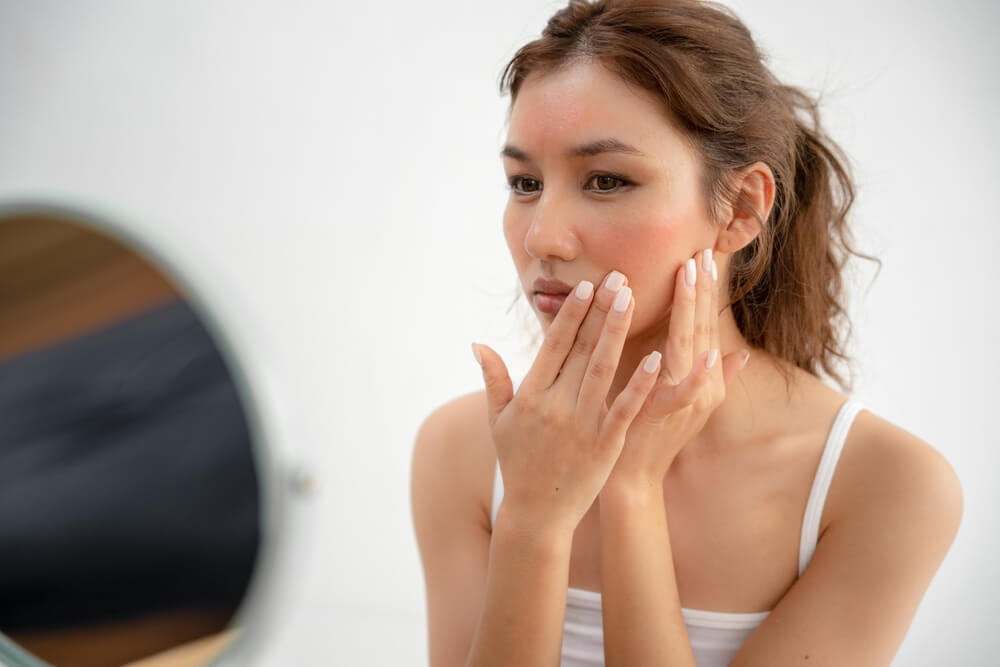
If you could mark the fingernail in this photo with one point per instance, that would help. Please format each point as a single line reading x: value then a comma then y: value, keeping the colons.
x: 713, y: 356
x: 690, y: 272
x: 652, y: 361
x: 584, y: 290
x: 706, y: 260
x: 475, y: 353
x: 715, y: 271
x: 615, y: 281
x: 746, y: 357
x: 622, y: 300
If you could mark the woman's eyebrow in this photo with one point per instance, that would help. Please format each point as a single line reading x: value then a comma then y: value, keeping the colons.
x: 608, y: 145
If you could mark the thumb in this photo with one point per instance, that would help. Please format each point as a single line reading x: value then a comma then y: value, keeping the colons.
x: 499, y: 387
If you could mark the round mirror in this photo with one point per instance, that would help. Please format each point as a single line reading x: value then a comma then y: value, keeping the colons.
x: 131, y: 513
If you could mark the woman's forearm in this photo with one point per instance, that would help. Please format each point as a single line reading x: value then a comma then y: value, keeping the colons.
x: 643, y: 624
x: 522, y: 618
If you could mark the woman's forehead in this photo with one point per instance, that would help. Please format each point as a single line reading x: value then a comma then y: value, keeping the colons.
x: 580, y: 104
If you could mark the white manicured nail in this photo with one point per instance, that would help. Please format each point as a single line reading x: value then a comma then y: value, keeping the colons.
x: 706, y: 260
x: 652, y: 361
x: 615, y: 281
x: 713, y: 356
x: 622, y: 300
x: 584, y: 290
x: 690, y: 272
x: 715, y: 271
x: 475, y: 353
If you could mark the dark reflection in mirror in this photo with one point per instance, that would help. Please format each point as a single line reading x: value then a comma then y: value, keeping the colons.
x: 129, y: 501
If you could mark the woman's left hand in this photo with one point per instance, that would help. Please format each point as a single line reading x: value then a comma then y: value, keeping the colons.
x: 692, y: 381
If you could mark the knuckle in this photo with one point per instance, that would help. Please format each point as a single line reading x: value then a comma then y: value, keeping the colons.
x: 583, y: 346
x: 493, y: 382
x: 600, y: 369
x: 525, y: 403
x: 619, y: 413
x: 552, y: 343
x: 602, y: 304
x: 616, y: 326
x: 700, y: 329
x: 552, y: 419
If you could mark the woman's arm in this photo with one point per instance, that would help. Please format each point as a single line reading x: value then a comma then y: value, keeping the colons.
x: 898, y: 507
x: 452, y: 524
x: 556, y: 442
x: 525, y: 604
x: 488, y: 603
x: 643, y: 624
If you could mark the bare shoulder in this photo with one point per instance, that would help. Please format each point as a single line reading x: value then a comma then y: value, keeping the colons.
x: 894, y: 507
x: 451, y: 485
x: 893, y: 475
x: 885, y: 473
x: 453, y: 454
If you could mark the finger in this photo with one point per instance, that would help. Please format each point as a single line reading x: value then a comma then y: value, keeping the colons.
x: 499, y: 387
x: 733, y: 363
x: 677, y: 362
x: 589, y: 333
x: 603, y: 363
x: 715, y: 305
x: 559, y: 338
x: 631, y: 399
x: 703, y: 311
x: 671, y: 398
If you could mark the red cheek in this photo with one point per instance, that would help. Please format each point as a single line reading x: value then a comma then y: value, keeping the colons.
x: 642, y: 247
x: 648, y: 253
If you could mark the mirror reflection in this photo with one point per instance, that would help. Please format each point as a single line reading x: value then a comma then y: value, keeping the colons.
x: 129, y: 500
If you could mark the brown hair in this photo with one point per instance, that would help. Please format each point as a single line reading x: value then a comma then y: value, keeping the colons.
x: 785, y: 287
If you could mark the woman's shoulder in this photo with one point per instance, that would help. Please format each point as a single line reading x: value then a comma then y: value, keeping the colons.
x: 454, y: 452
x: 886, y: 464
x: 884, y: 472
x: 887, y: 478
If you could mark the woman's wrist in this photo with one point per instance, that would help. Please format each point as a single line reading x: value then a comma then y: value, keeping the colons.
x: 529, y: 530
x: 631, y: 490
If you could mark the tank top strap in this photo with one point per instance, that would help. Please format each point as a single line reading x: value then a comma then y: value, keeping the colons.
x: 497, y: 493
x: 821, y: 483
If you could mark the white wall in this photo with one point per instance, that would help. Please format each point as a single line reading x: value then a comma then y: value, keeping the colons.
x: 329, y: 171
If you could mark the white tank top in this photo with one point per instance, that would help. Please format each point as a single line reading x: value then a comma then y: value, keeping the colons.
x: 715, y: 636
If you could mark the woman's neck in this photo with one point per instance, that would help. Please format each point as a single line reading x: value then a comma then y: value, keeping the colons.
x: 759, y: 382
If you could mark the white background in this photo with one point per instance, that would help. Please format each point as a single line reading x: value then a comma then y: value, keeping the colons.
x: 328, y: 173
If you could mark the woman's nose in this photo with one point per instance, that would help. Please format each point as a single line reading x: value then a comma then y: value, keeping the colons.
x: 552, y: 235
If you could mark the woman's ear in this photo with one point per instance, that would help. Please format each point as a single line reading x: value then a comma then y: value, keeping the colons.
x: 754, y: 186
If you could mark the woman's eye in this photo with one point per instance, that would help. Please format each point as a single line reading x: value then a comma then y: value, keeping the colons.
x: 607, y: 182
x: 524, y: 186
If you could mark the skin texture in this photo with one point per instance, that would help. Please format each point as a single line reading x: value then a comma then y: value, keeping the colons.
x: 680, y: 487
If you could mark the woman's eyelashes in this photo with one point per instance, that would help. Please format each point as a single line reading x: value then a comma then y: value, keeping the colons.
x: 608, y: 182
x: 603, y: 183
x: 523, y: 185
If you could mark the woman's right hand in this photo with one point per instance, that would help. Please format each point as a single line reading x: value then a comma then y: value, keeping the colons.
x: 556, y: 439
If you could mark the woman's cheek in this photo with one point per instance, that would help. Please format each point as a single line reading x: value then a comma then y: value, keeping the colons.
x: 638, y: 250
x: 649, y: 254
x: 514, y: 233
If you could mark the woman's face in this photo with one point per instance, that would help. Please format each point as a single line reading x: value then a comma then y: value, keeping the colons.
x: 600, y: 181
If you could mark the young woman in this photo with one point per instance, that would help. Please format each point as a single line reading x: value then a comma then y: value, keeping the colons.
x: 672, y: 483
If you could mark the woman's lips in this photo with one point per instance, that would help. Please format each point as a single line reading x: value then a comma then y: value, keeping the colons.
x: 548, y: 302
x: 549, y: 294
